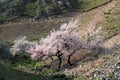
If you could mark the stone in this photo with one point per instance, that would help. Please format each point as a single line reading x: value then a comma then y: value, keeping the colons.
x: 117, y: 70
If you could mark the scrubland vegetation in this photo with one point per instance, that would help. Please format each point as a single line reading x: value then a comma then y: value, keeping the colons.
x: 31, y: 8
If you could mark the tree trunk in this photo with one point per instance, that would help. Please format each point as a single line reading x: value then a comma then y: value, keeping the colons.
x: 69, y: 62
x: 69, y: 57
x: 59, y: 54
x: 59, y: 57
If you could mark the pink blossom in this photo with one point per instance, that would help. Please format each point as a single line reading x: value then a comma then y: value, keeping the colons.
x: 65, y: 41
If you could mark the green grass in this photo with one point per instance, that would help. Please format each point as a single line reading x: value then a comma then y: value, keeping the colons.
x: 111, y: 75
x: 30, y: 9
x: 11, y: 74
x: 81, y: 78
x: 24, y: 70
x: 86, y: 19
x: 112, y: 21
x: 87, y: 5
x: 36, y: 37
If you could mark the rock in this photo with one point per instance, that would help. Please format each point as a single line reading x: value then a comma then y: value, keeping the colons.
x: 96, y: 73
x: 117, y: 70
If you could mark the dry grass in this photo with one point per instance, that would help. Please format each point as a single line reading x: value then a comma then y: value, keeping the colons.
x: 33, y: 30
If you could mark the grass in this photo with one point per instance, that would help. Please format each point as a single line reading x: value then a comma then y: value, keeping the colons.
x: 34, y: 31
x: 87, y: 5
x: 112, y: 21
x: 111, y: 75
x: 25, y: 70
x: 11, y: 74
x: 86, y: 19
x: 36, y: 37
x: 2, y: 19
x: 81, y: 78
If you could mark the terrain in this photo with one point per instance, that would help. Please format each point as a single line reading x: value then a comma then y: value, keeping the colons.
x: 87, y: 66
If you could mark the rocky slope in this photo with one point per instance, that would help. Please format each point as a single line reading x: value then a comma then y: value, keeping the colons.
x: 105, y: 66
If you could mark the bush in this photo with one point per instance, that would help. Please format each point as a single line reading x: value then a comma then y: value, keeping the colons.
x: 4, y: 49
x: 30, y: 9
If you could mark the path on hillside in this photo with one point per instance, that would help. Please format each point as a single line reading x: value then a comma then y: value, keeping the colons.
x: 96, y: 15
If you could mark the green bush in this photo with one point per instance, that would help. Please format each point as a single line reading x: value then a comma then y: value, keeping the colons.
x: 4, y: 50
x: 112, y: 21
x: 75, y: 4
x: 31, y: 8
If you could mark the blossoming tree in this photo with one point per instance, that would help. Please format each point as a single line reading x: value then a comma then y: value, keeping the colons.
x: 64, y: 42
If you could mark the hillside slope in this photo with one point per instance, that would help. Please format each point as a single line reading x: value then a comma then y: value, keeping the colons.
x: 39, y: 9
x: 92, y: 66
x: 36, y: 29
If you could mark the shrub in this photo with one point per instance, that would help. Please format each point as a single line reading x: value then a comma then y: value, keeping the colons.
x: 4, y: 49
x: 30, y: 9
